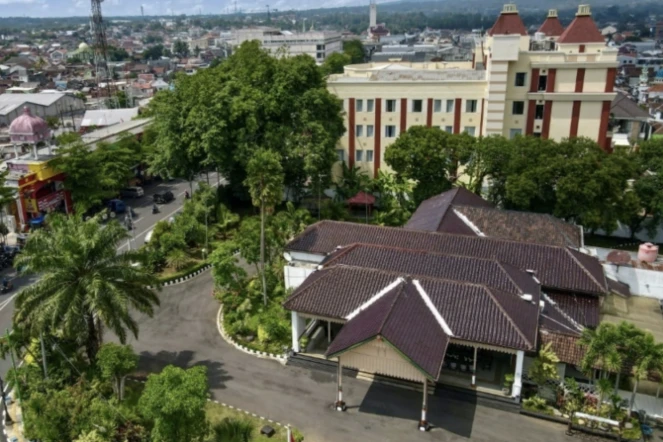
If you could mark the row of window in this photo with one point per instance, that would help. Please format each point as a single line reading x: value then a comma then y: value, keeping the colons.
x: 359, y: 155
x: 521, y: 81
x: 518, y: 108
x: 471, y: 106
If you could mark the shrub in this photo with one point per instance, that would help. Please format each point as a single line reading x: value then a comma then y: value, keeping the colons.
x: 535, y: 403
x: 178, y: 259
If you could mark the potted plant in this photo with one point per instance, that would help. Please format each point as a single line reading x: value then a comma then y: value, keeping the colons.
x: 508, y: 383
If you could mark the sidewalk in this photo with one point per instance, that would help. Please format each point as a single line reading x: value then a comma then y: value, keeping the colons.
x: 13, y: 432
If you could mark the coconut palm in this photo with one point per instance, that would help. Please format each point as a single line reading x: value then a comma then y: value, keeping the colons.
x: 233, y: 430
x: 604, y: 387
x: 85, y: 283
x: 648, y: 359
x: 601, y: 349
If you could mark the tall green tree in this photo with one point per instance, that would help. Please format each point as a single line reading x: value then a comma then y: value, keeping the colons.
x: 355, y: 49
x: 175, y: 399
x: 648, y: 360
x: 116, y: 362
x: 602, y: 349
x: 264, y: 178
x: 335, y: 62
x: 429, y: 156
x: 181, y: 48
x: 85, y: 283
x: 221, y: 116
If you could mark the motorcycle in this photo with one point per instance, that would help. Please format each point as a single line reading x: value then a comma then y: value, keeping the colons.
x: 186, y: 194
x: 7, y: 286
x: 155, y: 209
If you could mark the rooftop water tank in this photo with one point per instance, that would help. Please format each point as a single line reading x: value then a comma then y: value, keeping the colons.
x: 647, y: 252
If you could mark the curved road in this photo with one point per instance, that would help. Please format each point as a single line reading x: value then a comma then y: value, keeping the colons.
x: 184, y: 332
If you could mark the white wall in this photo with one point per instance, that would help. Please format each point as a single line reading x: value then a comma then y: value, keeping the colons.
x: 294, y: 276
x: 642, y: 282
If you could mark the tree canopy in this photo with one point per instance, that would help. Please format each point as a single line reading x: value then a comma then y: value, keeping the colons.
x: 218, y: 118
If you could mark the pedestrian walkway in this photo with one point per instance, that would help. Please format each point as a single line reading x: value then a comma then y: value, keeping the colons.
x: 650, y: 404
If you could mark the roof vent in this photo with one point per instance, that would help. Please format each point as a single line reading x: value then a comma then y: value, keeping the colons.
x: 542, y: 305
x: 510, y: 8
x: 583, y: 10
x: 531, y: 271
x: 527, y: 297
x: 552, y: 13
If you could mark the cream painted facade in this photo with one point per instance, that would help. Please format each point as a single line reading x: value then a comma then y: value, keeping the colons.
x: 514, y: 85
x: 317, y: 44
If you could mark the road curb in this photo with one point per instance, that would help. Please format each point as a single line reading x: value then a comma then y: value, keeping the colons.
x: 184, y: 278
x: 226, y: 337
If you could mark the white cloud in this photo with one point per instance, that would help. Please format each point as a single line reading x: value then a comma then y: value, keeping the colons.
x: 11, y: 2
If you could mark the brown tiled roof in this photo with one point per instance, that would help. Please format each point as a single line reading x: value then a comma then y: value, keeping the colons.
x: 402, y: 318
x: 552, y: 27
x: 431, y: 213
x: 582, y: 309
x: 566, y: 347
x: 581, y: 30
x: 474, y: 313
x: 522, y: 226
x: 489, y: 272
x: 624, y: 108
x: 508, y: 23
x: 556, y: 267
x: 554, y: 319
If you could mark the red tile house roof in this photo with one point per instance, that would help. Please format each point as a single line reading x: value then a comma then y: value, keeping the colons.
x: 582, y: 29
x: 558, y: 268
x: 472, y: 312
x: 509, y: 22
x: 552, y: 27
x: 461, y: 211
x: 403, y: 318
x: 420, y: 263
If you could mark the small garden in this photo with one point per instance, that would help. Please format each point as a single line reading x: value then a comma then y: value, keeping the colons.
x: 616, y: 356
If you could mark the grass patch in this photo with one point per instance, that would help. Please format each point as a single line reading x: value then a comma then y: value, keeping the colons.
x: 216, y: 413
x: 170, y: 275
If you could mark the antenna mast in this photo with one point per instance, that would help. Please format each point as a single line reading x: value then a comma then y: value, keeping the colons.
x: 100, y: 46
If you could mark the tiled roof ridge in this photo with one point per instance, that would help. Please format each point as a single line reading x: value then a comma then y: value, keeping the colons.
x: 550, y: 301
x: 505, y: 314
x: 400, y: 287
x: 572, y: 332
x: 587, y: 272
x: 508, y: 275
x: 405, y: 275
x: 426, y: 232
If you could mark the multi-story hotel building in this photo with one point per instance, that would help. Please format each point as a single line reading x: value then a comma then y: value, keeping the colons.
x: 556, y: 84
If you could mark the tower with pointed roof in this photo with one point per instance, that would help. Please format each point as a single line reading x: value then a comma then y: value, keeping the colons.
x: 557, y: 83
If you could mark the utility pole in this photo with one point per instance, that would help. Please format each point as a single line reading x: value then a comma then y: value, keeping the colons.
x: 268, y: 16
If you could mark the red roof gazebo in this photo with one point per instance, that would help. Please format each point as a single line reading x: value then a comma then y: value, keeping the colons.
x: 362, y: 199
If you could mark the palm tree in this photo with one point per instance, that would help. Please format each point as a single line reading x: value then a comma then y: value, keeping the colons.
x: 85, y: 283
x: 604, y: 387
x: 649, y: 359
x: 233, y: 430
x: 602, y: 349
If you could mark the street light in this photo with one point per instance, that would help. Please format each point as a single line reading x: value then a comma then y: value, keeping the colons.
x: 8, y: 418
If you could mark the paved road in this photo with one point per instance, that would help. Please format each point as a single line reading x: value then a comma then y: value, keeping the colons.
x: 144, y: 222
x: 184, y: 332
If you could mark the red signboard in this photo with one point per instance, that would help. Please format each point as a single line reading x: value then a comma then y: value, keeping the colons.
x: 50, y: 202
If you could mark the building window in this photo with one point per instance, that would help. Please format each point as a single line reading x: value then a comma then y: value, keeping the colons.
x: 417, y: 105
x: 471, y: 106
x: 449, y: 129
x: 369, y: 105
x: 369, y: 156
x: 391, y: 106
x: 359, y: 155
x: 320, y: 47
x: 543, y: 82
x: 450, y: 106
x: 390, y: 131
x: 341, y: 155
x: 437, y: 106
x: 518, y: 108
x: 513, y: 133
x: 538, y: 113
x: 359, y: 130
x: 470, y: 130
x: 369, y: 130
x: 359, y: 106
x: 521, y: 78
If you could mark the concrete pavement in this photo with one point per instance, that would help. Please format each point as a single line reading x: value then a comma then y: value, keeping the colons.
x: 184, y: 332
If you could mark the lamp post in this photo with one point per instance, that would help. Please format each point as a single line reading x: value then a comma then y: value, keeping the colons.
x: 8, y: 418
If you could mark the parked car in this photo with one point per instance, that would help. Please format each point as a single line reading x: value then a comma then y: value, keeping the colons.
x: 132, y: 192
x: 164, y: 197
x: 117, y: 206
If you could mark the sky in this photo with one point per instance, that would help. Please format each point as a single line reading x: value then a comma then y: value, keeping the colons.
x: 68, y: 8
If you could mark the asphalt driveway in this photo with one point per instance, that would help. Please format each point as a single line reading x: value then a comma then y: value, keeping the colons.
x: 184, y: 332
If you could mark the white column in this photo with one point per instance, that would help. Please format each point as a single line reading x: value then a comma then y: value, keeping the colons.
x: 518, y: 375
x: 340, y: 405
x: 298, y: 324
x: 328, y: 332
x: 474, y: 368
x: 423, y: 423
